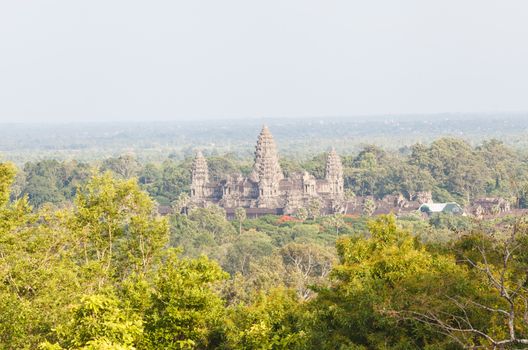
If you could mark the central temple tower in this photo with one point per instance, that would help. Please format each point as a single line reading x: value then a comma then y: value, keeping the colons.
x: 266, y: 171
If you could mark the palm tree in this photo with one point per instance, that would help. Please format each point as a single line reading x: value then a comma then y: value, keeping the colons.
x: 240, y: 216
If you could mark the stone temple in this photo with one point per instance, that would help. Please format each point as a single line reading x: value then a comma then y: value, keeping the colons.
x: 266, y: 190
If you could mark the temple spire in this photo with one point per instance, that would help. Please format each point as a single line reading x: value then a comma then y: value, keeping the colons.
x: 334, y: 172
x: 266, y: 165
x: 199, y: 176
x: 267, y: 172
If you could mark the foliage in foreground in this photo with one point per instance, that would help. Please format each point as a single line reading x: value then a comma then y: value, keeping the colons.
x: 104, y: 273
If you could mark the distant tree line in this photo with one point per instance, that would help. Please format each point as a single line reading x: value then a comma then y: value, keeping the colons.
x: 449, y: 168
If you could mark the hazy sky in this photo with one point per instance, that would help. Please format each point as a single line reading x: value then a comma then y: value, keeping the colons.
x: 133, y: 60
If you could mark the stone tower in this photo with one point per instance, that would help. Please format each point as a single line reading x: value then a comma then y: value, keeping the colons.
x: 266, y: 170
x: 266, y: 190
x: 199, y: 177
x: 334, y: 173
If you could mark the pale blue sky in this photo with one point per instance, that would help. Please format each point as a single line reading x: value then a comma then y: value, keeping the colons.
x: 134, y: 60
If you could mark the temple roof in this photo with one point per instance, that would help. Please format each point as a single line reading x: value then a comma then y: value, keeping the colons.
x: 200, y: 169
x: 334, y: 167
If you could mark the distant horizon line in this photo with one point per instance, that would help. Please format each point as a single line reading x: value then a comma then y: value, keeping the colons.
x: 362, y: 117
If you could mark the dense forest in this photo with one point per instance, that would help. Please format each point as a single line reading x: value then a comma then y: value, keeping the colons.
x: 86, y: 261
x: 106, y: 272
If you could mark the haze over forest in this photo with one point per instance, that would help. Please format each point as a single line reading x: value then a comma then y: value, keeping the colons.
x: 296, y: 137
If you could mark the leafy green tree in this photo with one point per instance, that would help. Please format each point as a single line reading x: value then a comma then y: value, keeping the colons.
x: 349, y: 197
x: 502, y: 162
x: 272, y: 321
x: 117, y: 228
x: 186, y: 313
x: 335, y: 222
x: 314, y: 208
x: 493, y: 315
x: 411, y: 179
x: 222, y: 166
x: 7, y: 177
x: 301, y: 214
x: 369, y: 207
x: 181, y: 204
x: 125, y: 166
x: 99, y: 323
x: 457, y: 167
x: 315, y: 166
x: 249, y: 247
x: 186, y: 234
x: 306, y: 264
x: 50, y: 181
x: 41, y: 190
x: 37, y: 273
x: 263, y: 275
x: 150, y: 179
x: 376, y: 275
x: 110, y: 235
x: 364, y: 174
x: 213, y: 221
x: 166, y: 182
x: 290, y: 166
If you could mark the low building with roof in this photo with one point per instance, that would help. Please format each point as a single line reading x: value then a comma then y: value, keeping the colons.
x: 441, y: 208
